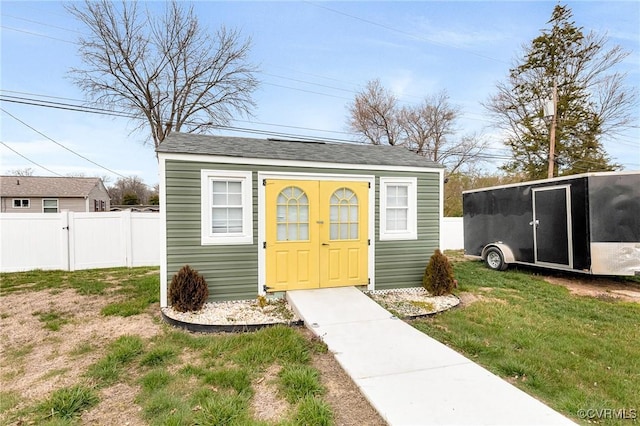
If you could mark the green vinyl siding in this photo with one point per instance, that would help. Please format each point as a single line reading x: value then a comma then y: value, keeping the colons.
x: 401, y: 264
x: 231, y: 271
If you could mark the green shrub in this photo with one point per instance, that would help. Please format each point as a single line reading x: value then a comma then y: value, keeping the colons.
x: 188, y: 290
x: 438, y: 277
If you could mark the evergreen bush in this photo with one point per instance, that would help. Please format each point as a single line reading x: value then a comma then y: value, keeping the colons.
x: 188, y: 290
x: 438, y: 277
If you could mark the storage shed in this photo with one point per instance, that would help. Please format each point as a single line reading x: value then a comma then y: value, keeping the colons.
x: 258, y: 216
x: 586, y: 223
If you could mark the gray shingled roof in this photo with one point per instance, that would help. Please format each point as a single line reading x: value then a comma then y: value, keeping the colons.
x: 325, y: 152
x: 39, y: 186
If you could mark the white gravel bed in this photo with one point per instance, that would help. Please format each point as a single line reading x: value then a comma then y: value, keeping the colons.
x: 240, y: 312
x: 413, y: 302
x: 403, y: 303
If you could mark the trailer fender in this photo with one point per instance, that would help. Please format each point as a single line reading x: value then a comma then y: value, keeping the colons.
x: 505, y: 252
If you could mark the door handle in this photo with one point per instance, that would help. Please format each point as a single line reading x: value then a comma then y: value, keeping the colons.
x: 325, y: 244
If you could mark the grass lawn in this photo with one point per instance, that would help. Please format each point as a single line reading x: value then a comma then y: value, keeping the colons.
x: 175, y: 377
x: 577, y: 354
x: 580, y: 355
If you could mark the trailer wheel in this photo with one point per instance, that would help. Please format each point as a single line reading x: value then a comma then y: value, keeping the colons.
x: 495, y: 260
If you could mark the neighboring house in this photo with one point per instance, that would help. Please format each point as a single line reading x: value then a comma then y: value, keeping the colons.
x: 256, y: 216
x: 36, y: 194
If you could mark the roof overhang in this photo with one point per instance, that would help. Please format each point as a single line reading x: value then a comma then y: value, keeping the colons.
x: 164, y: 156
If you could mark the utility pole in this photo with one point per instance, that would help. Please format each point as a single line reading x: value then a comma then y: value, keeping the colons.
x: 552, y: 132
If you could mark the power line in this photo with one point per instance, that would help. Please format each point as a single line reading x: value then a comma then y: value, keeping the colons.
x: 36, y: 34
x: 405, y: 33
x: 306, y: 91
x: 308, y: 82
x: 115, y: 113
x: 30, y: 160
x: 41, y: 23
x: 263, y: 73
x: 499, y: 154
x: 61, y: 145
x: 64, y: 106
x: 221, y: 127
x: 103, y: 111
x: 468, y: 116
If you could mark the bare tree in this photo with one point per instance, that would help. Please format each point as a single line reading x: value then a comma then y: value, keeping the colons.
x: 129, y: 188
x: 27, y: 171
x: 374, y: 115
x: 428, y: 125
x: 106, y: 179
x: 168, y: 72
x: 428, y: 129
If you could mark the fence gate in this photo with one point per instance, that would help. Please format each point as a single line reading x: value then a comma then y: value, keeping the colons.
x: 72, y: 241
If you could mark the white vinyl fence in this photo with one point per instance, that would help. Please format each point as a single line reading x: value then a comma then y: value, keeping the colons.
x: 72, y: 241
x: 451, y: 233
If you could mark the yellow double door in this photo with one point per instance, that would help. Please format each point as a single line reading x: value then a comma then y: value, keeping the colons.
x: 316, y: 234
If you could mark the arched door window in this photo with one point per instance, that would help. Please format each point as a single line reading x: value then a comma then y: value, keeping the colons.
x: 292, y: 215
x: 343, y: 215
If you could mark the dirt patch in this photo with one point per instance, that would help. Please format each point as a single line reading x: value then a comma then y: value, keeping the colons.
x: 610, y: 288
x: 117, y: 407
x: 600, y: 287
x: 467, y: 298
x: 266, y: 405
x: 35, y: 361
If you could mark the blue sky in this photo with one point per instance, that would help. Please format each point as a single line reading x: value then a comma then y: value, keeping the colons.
x: 313, y: 58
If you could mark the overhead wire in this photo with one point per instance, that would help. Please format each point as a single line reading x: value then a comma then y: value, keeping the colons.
x: 101, y: 111
x: 402, y: 32
x: 36, y: 34
x: 270, y: 133
x: 115, y: 113
x: 41, y: 23
x: 61, y: 145
x: 29, y: 160
x: 499, y: 154
x: 354, y: 91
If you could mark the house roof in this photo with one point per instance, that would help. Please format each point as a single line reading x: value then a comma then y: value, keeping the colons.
x: 39, y: 186
x: 325, y: 152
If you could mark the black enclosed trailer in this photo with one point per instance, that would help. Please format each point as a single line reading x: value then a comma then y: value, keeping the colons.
x: 586, y: 223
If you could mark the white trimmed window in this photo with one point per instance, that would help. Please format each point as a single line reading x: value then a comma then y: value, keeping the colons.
x: 398, y: 208
x: 227, y: 207
x: 49, y: 206
x: 21, y: 203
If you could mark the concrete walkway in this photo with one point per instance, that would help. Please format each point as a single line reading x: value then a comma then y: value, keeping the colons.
x: 408, y: 377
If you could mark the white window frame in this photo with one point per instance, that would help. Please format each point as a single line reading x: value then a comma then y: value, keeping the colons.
x: 207, y: 177
x: 21, y: 200
x: 411, y: 233
x: 50, y: 199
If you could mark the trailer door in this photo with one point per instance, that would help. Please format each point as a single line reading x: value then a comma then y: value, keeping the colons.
x: 552, y: 237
